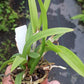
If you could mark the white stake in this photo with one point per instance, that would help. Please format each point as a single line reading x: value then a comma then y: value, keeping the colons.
x: 20, y: 35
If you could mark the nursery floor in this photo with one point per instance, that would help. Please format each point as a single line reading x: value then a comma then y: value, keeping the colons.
x: 59, y: 15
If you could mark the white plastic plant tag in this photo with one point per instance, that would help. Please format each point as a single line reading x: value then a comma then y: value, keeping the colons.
x: 20, y: 35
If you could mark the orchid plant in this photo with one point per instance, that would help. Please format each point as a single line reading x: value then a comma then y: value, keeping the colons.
x: 32, y: 53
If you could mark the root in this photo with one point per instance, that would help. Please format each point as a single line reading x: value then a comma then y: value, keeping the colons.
x: 53, y: 66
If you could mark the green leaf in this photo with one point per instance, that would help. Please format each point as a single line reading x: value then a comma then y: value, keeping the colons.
x: 38, y: 48
x: 44, y: 15
x: 33, y: 65
x: 46, y: 5
x: 5, y: 63
x: 14, y: 56
x: 18, y: 78
x: 8, y: 11
x: 57, y: 36
x: 33, y: 14
x: 3, y: 27
x: 41, y: 35
x: 13, y: 15
x: 78, y: 16
x: 34, y: 55
x: 38, y: 36
x: 82, y: 19
x: 18, y: 60
x: 29, y: 32
x: 80, y: 1
x: 35, y: 62
x: 9, y: 61
x: 0, y: 82
x: 68, y: 56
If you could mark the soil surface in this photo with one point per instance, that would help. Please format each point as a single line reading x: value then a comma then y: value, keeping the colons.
x: 39, y: 73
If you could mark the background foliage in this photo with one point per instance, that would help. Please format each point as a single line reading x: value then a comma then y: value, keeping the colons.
x: 9, y: 19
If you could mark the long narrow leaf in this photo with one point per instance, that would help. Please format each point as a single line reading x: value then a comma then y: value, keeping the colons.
x: 14, y: 56
x: 29, y: 32
x: 78, y: 16
x: 44, y: 15
x: 9, y: 61
x: 35, y: 62
x: 33, y: 14
x: 18, y: 60
x: 68, y: 56
x: 41, y: 35
x: 5, y: 63
x: 18, y: 78
x: 57, y: 36
x: 46, y: 5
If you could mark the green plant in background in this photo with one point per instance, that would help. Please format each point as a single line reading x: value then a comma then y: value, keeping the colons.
x: 7, y: 16
x: 22, y: 10
x: 5, y: 49
x: 80, y: 0
x: 80, y: 17
x: 7, y: 23
x: 21, y: 6
x: 34, y: 34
